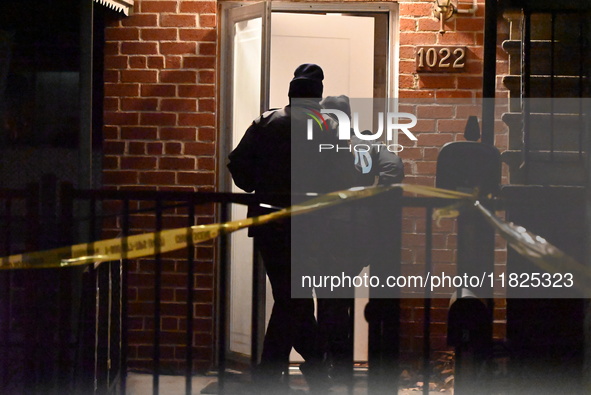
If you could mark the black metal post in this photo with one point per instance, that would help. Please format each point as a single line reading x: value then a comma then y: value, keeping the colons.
x: 33, y: 243
x: 124, y: 298
x: 85, y: 151
x: 489, y: 72
x: 114, y: 309
x: 552, y: 82
x: 383, y: 310
x: 157, y: 298
x: 102, y: 327
x: 6, y: 302
x: 526, y: 90
x: 427, y: 307
x: 66, y: 279
x: 190, y: 297
x: 223, y: 302
x: 7, y: 226
x: 84, y: 369
x: 258, y: 306
x: 349, y: 377
x: 114, y: 316
x: 582, y: 78
x: 45, y: 289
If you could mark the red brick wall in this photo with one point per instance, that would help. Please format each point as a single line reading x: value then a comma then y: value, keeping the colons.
x: 160, y: 133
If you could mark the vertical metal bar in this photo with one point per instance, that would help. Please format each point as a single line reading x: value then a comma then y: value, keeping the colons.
x: 254, y: 313
x: 86, y: 366
x: 32, y: 244
x: 66, y: 278
x: 351, y: 349
x: 258, y: 306
x: 109, y: 267
x: 92, y: 225
x: 7, y: 226
x: 115, y: 334
x: 526, y: 54
x: 581, y: 82
x: 102, y: 325
x: 383, y: 310
x: 223, y: 301
x: 526, y: 90
x: 124, y: 299
x: 32, y: 217
x: 190, y: 297
x: 85, y: 180
x: 112, y: 351
x: 265, y: 57
x: 489, y: 73
x: 97, y: 331
x: 427, y: 314
x: 552, y: 81
x: 6, y: 302
x: 581, y: 55
x: 157, y: 298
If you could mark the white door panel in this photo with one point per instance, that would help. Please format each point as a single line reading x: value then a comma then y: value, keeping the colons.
x: 246, y: 72
x: 344, y: 47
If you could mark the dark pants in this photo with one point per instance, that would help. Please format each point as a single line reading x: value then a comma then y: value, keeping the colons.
x: 292, y: 322
x: 335, y: 321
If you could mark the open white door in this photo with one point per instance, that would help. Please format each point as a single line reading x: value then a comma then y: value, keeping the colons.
x: 257, y: 65
x: 245, y: 82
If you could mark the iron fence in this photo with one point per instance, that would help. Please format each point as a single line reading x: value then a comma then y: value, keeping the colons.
x: 77, y: 339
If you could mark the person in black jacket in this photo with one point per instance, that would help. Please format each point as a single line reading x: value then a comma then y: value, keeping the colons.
x: 274, y: 157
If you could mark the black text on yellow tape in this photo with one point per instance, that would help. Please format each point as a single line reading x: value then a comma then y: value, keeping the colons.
x: 147, y: 244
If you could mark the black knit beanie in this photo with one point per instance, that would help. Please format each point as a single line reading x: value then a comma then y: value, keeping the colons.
x: 306, y: 82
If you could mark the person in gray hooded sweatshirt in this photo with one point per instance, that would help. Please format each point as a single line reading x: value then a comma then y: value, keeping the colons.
x: 376, y: 166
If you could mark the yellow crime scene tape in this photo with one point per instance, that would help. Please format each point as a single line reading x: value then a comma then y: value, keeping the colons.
x: 538, y: 250
x: 529, y: 245
x: 147, y: 244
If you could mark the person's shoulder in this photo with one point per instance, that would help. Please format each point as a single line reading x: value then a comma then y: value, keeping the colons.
x: 332, y: 122
x: 271, y: 116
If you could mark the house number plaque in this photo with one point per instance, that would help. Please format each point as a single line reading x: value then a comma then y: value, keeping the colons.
x: 441, y: 59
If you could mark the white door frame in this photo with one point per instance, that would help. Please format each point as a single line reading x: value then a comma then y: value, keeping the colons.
x: 225, y: 72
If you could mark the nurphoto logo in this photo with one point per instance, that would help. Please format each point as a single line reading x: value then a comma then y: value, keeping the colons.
x: 344, y: 133
x: 392, y: 121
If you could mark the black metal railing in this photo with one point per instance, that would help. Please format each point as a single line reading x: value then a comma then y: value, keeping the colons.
x: 18, y: 231
x: 159, y: 206
x: 90, y: 345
